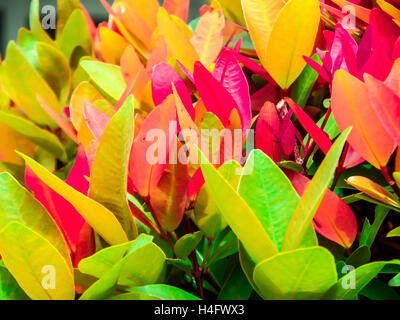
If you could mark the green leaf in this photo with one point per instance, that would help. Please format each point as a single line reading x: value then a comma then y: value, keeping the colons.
x: 109, y: 173
x: 359, y: 257
x: 55, y: 70
x: 75, y: 34
x: 97, y: 216
x: 65, y: 9
x: 35, y: 22
x: 22, y: 82
x: 270, y: 194
x: 27, y: 43
x: 19, y: 205
x: 299, y: 274
x: 236, y: 286
x: 378, y: 290
x: 313, y: 195
x: 395, y: 281
x: 137, y: 255
x: 186, y: 244
x: 369, y: 232
x: 302, y: 87
x: 237, y: 213
x: 31, y: 259
x: 206, y: 213
x: 394, y: 233
x: 348, y: 286
x: 9, y: 288
x: 156, y: 292
x: 107, y: 78
x: 32, y: 132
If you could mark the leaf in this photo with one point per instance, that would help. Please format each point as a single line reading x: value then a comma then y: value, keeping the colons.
x: 236, y: 280
x: 313, y: 196
x: 55, y: 70
x: 386, y: 105
x: 176, y: 39
x: 236, y: 212
x: 319, y: 136
x: 157, y: 292
x: 292, y: 37
x: 302, y: 88
x: 228, y: 71
x: 109, y: 173
x: 100, y: 218
x: 292, y: 275
x: 22, y: 82
x: 208, y: 37
x: 112, y: 45
x: 363, y: 275
x: 351, y: 107
x: 9, y: 288
x: 233, y: 11
x: 260, y: 17
x: 372, y: 189
x: 136, y: 255
x: 107, y: 78
x: 394, y: 233
x: 35, y: 22
x: 214, y: 95
x: 369, y: 232
x: 207, y: 216
x: 359, y: 257
x: 169, y: 198
x: 75, y: 34
x: 149, y: 157
x: 269, y: 193
x: 29, y: 257
x: 186, y: 244
x: 334, y: 218
x: 41, y: 137
x: 179, y: 8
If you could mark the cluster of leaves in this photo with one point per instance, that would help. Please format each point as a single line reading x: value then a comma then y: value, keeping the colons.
x: 281, y: 220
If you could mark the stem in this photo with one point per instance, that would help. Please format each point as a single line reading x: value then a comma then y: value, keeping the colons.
x: 340, y: 168
x: 392, y: 183
x: 202, y: 267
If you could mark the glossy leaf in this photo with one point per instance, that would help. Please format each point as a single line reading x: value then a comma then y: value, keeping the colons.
x: 99, y: 217
x: 186, y: 244
x: 28, y: 256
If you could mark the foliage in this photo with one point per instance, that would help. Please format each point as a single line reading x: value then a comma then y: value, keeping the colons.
x: 105, y: 195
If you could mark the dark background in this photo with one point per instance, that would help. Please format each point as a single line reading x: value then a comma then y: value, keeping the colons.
x: 14, y: 14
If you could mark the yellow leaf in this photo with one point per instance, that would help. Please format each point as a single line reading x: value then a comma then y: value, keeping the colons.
x: 99, y: 217
x: 109, y: 173
x: 33, y: 261
x: 390, y: 9
x: 208, y: 38
x: 292, y: 37
x: 372, y: 189
x: 112, y: 45
x: 260, y: 16
x: 177, y: 40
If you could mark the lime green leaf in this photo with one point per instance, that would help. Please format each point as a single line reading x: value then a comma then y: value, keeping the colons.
x: 17, y: 204
x: 394, y: 232
x: 32, y: 132
x: 163, y: 292
x: 65, y: 9
x: 186, y: 244
x: 35, y: 22
x: 292, y: 37
x: 9, y: 288
x: 31, y: 259
x: 348, y: 286
x: 236, y: 286
x: 22, y: 82
x: 206, y: 214
x: 236, y: 212
x: 27, y: 43
x: 299, y: 274
x: 369, y: 232
x: 99, y: 217
x: 137, y: 256
x: 312, y: 197
x: 109, y: 173
x: 270, y: 194
x: 107, y: 78
x: 75, y: 34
